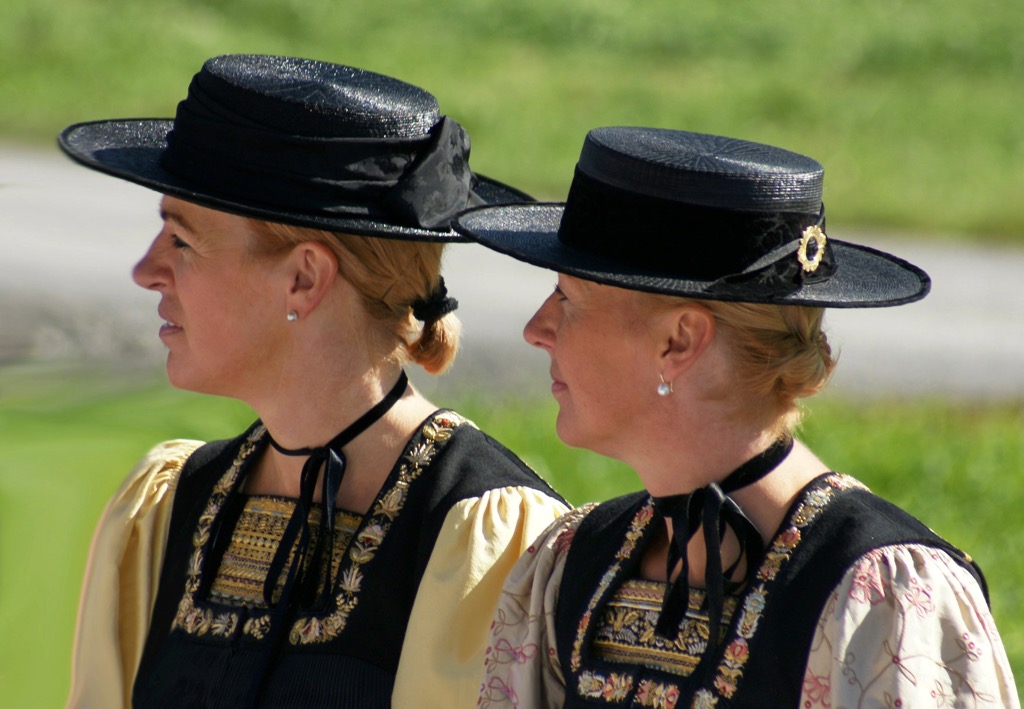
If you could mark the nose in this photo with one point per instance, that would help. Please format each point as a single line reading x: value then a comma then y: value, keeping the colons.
x: 150, y: 272
x: 539, y: 330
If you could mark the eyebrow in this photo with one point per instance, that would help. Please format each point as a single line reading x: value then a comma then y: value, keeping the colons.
x: 169, y: 215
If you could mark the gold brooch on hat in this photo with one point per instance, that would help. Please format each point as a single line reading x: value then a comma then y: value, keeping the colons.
x: 818, y: 236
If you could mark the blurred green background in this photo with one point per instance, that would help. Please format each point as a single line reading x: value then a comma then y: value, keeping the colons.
x: 915, y: 109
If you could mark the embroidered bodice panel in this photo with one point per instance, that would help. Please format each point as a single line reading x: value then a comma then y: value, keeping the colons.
x: 199, y: 615
x: 254, y: 541
x: 625, y: 633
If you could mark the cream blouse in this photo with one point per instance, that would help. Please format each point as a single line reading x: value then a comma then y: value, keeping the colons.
x: 481, y: 539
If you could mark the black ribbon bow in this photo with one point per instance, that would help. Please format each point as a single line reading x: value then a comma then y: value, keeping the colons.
x: 711, y: 509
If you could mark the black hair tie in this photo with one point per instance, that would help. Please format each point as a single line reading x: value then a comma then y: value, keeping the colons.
x: 711, y: 509
x: 436, y: 305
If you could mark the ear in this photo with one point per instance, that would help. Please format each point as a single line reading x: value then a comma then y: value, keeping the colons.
x: 312, y: 270
x: 690, y: 330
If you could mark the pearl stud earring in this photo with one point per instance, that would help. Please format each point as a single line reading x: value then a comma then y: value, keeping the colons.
x: 665, y: 388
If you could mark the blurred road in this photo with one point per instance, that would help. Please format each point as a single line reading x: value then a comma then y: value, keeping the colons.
x: 69, y: 236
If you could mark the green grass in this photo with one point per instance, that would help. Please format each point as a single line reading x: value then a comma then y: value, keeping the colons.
x: 67, y: 441
x: 914, y: 108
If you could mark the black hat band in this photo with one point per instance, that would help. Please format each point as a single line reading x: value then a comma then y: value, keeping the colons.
x: 421, y: 182
x: 686, y: 241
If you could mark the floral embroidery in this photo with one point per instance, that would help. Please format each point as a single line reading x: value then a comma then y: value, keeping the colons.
x: 497, y: 686
x: 626, y: 634
x: 224, y: 624
x: 727, y: 676
x: 201, y: 621
x: 636, y: 530
x: 898, y: 663
x: 943, y: 696
x: 436, y: 432
x: 918, y: 599
x: 730, y: 670
x: 188, y: 617
x: 657, y: 694
x: 245, y: 564
x: 564, y: 541
x: 867, y: 581
x: 818, y: 689
x: 257, y: 627
x: 703, y: 699
x: 970, y: 648
x: 613, y: 687
x: 517, y: 653
x: 571, y: 522
x: 514, y: 613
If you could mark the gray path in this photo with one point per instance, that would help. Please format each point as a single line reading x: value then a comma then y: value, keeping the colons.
x: 68, y: 238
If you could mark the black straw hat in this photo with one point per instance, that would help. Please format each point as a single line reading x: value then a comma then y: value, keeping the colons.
x: 700, y: 216
x: 302, y: 142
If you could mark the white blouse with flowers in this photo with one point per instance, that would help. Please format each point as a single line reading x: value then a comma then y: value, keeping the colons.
x: 906, y: 627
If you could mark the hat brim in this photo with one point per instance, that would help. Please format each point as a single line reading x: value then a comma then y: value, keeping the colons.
x: 131, y: 150
x: 864, y: 277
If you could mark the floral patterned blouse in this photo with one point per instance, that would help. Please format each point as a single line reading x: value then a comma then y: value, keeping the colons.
x: 907, y: 627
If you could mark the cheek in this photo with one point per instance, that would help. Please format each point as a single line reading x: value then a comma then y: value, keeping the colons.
x: 617, y: 373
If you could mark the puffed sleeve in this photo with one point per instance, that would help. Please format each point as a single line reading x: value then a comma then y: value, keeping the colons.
x: 121, y: 580
x: 480, y: 541
x: 907, y: 626
x: 521, y: 667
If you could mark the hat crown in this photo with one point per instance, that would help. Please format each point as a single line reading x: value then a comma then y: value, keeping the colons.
x: 302, y: 142
x: 699, y: 216
x: 703, y: 170
x: 314, y: 98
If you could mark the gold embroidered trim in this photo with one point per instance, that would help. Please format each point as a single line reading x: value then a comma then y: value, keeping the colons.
x: 436, y: 432
x: 615, y: 686
x: 611, y: 687
x: 199, y: 621
x: 636, y: 530
x: 626, y: 632
x: 737, y: 653
x: 254, y: 541
x: 193, y: 620
x: 662, y: 695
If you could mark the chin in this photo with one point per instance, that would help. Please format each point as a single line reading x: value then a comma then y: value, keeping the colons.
x: 178, y: 381
x: 566, y: 432
x: 183, y: 378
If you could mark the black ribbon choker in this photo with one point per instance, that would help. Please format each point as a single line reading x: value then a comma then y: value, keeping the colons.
x: 331, y: 458
x: 709, y: 508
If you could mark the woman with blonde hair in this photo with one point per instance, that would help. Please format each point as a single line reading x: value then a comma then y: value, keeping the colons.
x: 686, y: 324
x: 348, y: 548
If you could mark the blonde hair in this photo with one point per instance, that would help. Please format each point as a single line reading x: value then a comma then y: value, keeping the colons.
x: 390, y: 275
x: 780, y: 353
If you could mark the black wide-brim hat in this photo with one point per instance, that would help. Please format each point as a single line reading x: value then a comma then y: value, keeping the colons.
x: 301, y: 142
x: 699, y: 216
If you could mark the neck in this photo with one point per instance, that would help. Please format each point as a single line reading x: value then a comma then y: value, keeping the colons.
x: 310, y: 411
x: 310, y: 414
x: 681, y: 452
x: 692, y: 454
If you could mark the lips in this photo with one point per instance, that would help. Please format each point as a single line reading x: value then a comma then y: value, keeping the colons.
x: 169, y: 326
x: 168, y: 329
x: 557, y: 384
